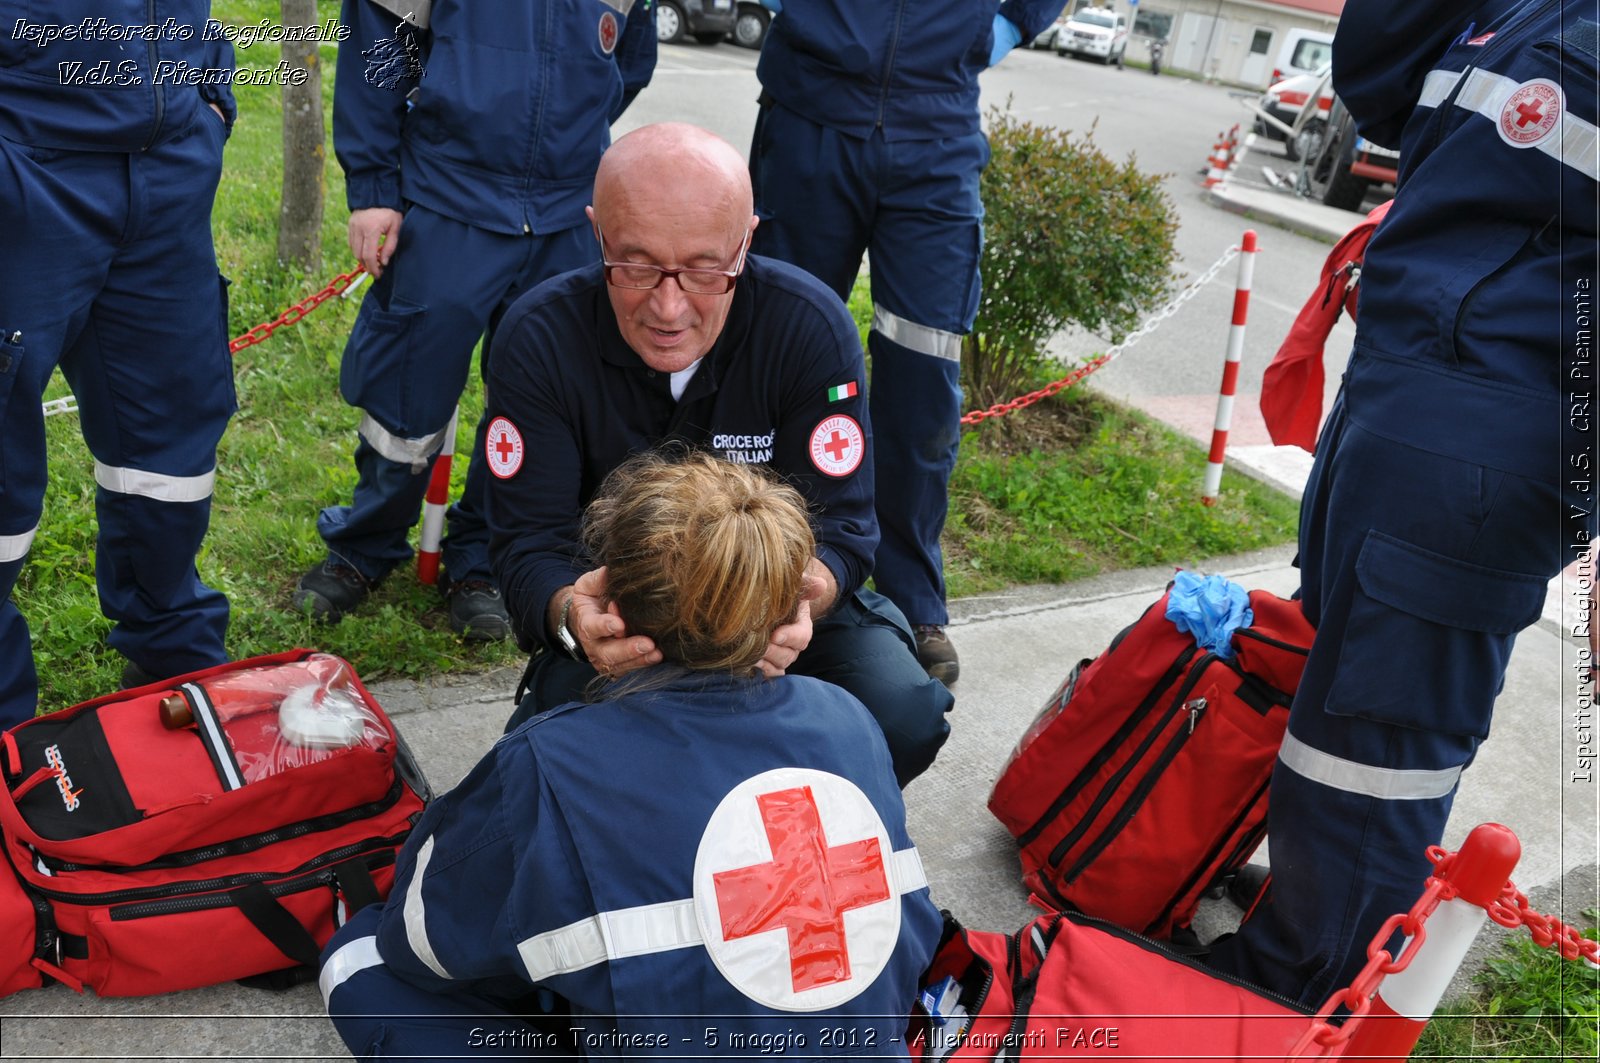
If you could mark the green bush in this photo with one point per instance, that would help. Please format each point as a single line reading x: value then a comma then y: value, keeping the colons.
x: 1071, y: 237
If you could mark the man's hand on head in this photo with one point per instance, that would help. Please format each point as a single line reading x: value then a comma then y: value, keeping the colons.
x: 600, y: 629
x: 790, y: 640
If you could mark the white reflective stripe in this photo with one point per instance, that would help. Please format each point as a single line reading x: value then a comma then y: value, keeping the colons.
x: 15, y: 547
x: 1388, y: 784
x: 413, y: 452
x: 622, y: 7
x: 915, y: 337
x: 1575, y: 142
x: 417, y: 919
x: 155, y: 485
x: 211, y: 727
x: 352, y: 958
x: 652, y: 928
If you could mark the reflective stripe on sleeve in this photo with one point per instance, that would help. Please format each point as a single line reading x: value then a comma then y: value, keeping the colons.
x: 915, y: 337
x: 414, y: 452
x: 1386, y: 784
x: 416, y: 918
x: 650, y: 928
x: 352, y: 958
x: 155, y: 485
x: 1576, y: 143
x: 15, y: 547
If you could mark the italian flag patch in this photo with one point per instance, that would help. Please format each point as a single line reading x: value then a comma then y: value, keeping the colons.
x: 842, y: 391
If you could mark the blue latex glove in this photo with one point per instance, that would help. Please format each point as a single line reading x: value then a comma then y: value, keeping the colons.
x: 1007, y: 36
x: 1211, y: 609
x: 773, y: 6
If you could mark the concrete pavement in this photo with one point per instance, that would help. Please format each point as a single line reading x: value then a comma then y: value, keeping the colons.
x: 1015, y: 646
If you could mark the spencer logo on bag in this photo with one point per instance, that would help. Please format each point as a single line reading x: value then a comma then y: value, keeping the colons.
x: 69, y: 796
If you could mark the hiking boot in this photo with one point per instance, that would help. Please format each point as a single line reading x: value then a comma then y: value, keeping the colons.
x: 1245, y: 887
x: 476, y: 612
x: 134, y: 676
x: 936, y: 654
x: 331, y: 590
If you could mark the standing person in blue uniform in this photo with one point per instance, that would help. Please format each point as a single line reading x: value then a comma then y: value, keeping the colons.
x: 469, y: 135
x: 868, y: 141
x: 679, y: 336
x: 1449, y: 481
x: 700, y: 862
x: 107, y: 176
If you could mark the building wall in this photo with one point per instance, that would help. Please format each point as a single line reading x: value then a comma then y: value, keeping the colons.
x: 1222, y: 55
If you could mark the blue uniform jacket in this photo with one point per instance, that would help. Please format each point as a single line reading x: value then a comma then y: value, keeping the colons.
x: 909, y: 69
x: 506, y: 124
x: 1477, y: 292
x: 582, y: 401
x: 671, y: 857
x: 118, y: 77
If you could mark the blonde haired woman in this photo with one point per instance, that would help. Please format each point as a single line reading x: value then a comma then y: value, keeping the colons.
x: 698, y: 862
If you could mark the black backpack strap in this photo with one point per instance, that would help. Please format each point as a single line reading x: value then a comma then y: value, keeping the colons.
x: 258, y: 905
x: 355, y: 883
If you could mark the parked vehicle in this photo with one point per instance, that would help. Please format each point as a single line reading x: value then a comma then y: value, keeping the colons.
x: 1302, y: 52
x: 1157, y: 47
x: 1301, y: 103
x: 1343, y: 166
x: 707, y: 21
x: 1095, y: 32
x: 750, y: 24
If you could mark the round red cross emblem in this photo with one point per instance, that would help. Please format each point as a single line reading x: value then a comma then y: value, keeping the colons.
x: 608, y: 32
x: 838, y: 445
x: 794, y: 890
x: 503, y: 448
x: 1531, y: 113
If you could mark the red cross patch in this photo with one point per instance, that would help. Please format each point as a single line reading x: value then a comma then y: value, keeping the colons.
x: 794, y: 890
x: 1531, y: 113
x: 608, y: 32
x: 503, y: 448
x: 837, y: 445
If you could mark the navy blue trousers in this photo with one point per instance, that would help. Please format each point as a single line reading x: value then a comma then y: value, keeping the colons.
x: 107, y: 269
x: 914, y: 207
x: 864, y: 645
x: 1418, y: 571
x: 405, y: 367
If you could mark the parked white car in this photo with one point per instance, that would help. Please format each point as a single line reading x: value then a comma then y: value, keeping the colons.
x: 1094, y: 32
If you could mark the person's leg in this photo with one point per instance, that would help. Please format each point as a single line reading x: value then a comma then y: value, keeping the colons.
x: 864, y: 645
x: 381, y: 1016
x: 154, y: 382
x: 466, y: 548
x: 925, y: 284
x: 815, y: 192
x: 62, y: 213
x: 404, y: 368
x: 1418, y: 572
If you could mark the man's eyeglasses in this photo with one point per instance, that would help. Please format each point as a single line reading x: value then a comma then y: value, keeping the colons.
x: 639, y: 276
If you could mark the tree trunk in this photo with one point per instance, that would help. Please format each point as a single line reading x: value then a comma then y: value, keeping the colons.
x: 300, y: 214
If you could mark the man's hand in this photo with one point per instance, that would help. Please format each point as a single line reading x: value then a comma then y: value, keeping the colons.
x: 601, y: 632
x: 374, y: 237
x: 789, y: 640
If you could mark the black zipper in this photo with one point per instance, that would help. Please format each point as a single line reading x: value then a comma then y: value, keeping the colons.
x: 238, y: 846
x: 1107, y: 792
x: 1256, y: 636
x: 208, y: 901
x: 1141, y: 793
x: 155, y: 87
x: 1106, y: 751
x: 888, y: 62
x: 1252, y: 838
x: 178, y: 889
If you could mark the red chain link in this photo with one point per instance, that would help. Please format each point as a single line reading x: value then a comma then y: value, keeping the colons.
x: 295, y: 313
x: 1510, y: 909
x: 999, y: 409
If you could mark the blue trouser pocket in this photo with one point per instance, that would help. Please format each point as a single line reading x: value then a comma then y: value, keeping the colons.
x: 376, y: 374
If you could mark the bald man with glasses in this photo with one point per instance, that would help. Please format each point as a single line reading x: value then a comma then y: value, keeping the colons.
x: 679, y: 337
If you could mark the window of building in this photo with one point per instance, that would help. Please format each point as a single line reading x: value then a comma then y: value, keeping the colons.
x: 1157, y: 24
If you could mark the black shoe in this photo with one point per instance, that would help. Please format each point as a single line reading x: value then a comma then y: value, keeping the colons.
x: 935, y: 653
x: 476, y: 612
x: 134, y: 676
x: 331, y: 590
x: 1245, y: 887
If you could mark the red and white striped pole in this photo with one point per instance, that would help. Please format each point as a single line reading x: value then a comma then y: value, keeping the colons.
x: 1406, y: 1000
x: 436, y: 502
x: 1217, y: 164
x: 1230, y: 370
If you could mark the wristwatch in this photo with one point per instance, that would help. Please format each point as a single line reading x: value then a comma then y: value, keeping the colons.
x: 564, y: 635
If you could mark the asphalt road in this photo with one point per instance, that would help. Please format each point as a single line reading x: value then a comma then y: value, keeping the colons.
x: 1168, y: 125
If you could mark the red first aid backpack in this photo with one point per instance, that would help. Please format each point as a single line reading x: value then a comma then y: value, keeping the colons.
x: 212, y: 827
x: 1144, y: 779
